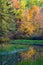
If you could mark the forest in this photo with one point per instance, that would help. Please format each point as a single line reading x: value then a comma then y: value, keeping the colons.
x: 21, y: 32
x: 21, y: 19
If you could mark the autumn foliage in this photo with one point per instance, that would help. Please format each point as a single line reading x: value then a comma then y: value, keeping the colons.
x: 16, y: 3
x: 34, y: 11
x: 29, y: 18
x: 20, y: 18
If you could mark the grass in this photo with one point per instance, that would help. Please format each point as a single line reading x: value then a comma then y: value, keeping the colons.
x: 27, y: 41
x: 38, y: 61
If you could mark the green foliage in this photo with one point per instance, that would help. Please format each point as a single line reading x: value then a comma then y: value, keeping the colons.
x: 23, y: 4
x: 30, y: 3
x: 6, y: 17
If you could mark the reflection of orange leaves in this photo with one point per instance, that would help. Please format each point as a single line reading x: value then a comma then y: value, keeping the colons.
x: 29, y: 53
x: 16, y: 3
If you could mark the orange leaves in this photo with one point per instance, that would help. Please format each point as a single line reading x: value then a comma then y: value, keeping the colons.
x: 16, y: 3
x: 29, y: 23
x: 27, y: 27
x: 25, y: 15
x: 34, y: 11
x: 28, y: 18
x: 30, y: 14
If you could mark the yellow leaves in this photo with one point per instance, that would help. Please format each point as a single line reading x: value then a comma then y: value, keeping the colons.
x: 27, y: 27
x: 23, y: 3
x: 32, y: 29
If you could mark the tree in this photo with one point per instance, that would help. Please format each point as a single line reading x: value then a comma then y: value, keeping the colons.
x: 16, y: 14
x: 6, y: 19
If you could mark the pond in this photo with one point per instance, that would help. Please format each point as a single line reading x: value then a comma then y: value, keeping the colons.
x: 27, y: 55
x: 11, y: 47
